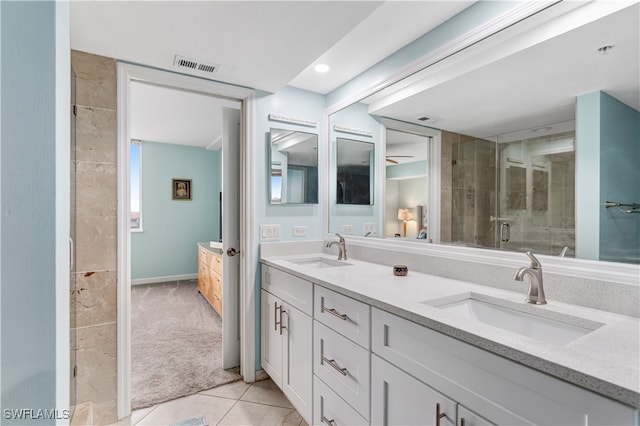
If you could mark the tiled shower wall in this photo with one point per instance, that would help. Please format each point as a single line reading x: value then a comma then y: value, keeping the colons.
x: 95, y: 245
x: 468, y: 182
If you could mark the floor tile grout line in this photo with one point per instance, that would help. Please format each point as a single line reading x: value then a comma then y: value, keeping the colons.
x: 143, y: 417
x: 227, y: 412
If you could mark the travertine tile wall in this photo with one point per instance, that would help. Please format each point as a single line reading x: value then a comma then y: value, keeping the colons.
x: 468, y: 170
x: 95, y: 245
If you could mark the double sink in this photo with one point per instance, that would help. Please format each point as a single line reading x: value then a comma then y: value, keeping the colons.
x: 521, y: 318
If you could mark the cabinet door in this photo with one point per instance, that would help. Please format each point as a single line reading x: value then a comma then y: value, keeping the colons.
x: 467, y: 417
x: 271, y: 337
x: 297, y: 360
x: 399, y: 399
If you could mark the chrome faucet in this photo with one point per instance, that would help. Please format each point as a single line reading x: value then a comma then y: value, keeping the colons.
x: 536, y: 289
x: 342, y: 255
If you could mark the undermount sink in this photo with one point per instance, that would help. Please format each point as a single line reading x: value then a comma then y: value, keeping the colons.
x: 523, y: 319
x: 319, y: 262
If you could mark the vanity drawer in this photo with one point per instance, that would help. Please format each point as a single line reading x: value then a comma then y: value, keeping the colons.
x: 500, y: 390
x: 330, y: 409
x: 345, y: 315
x: 343, y: 366
x: 289, y: 288
x: 204, y: 256
x: 216, y: 283
x: 216, y: 263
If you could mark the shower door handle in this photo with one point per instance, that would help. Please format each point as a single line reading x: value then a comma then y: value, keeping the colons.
x: 505, y: 232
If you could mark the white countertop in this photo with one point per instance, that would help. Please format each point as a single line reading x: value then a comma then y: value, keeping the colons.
x: 606, y: 360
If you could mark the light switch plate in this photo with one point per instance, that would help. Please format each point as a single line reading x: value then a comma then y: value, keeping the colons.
x: 269, y: 232
x: 369, y: 228
x: 347, y: 229
x: 299, y: 231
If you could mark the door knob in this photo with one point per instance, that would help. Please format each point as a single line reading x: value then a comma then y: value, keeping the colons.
x: 232, y: 252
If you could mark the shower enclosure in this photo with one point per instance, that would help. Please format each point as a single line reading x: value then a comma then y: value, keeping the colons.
x: 513, y: 191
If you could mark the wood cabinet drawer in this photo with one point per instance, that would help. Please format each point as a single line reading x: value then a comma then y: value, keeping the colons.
x: 216, y: 263
x: 216, y: 283
x: 500, y: 390
x: 204, y: 256
x: 343, y: 366
x: 216, y: 301
x: 330, y: 409
x: 345, y: 315
x: 289, y: 288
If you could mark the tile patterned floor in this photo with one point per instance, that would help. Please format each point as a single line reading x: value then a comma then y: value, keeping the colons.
x: 238, y: 403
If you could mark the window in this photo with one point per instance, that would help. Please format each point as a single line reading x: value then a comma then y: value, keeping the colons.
x: 136, y: 163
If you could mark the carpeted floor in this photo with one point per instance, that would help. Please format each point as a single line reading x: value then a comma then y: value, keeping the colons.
x: 176, y: 343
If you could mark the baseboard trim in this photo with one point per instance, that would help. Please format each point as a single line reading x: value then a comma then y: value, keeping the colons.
x: 153, y: 280
x: 261, y: 375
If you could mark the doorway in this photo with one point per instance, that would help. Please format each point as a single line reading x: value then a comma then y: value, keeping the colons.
x: 128, y: 76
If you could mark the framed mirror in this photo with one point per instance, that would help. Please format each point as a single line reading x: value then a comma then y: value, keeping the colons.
x: 293, y: 176
x: 354, y: 172
x: 508, y: 174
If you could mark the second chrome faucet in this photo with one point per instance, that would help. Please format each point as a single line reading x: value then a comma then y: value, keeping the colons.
x: 342, y: 255
x: 536, y: 288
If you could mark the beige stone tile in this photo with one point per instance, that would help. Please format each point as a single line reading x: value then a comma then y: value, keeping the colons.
x: 96, y: 187
x: 96, y: 80
x: 96, y: 135
x: 135, y: 417
x: 248, y: 413
x: 105, y: 413
x: 95, y: 298
x: 82, y: 415
x: 233, y: 390
x: 96, y: 244
x: 266, y: 392
x: 96, y: 361
x: 212, y: 408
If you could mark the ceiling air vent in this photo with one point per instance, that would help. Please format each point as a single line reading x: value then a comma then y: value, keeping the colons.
x: 194, y: 65
x: 422, y: 118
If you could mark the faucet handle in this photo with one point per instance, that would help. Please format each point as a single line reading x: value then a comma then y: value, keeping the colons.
x: 341, y: 237
x: 535, y: 263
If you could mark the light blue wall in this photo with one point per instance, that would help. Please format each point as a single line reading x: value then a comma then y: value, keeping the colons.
x: 357, y: 117
x: 296, y: 103
x: 619, y: 179
x: 588, y: 176
x: 607, y: 158
x: 407, y: 170
x: 27, y: 176
x: 172, y: 228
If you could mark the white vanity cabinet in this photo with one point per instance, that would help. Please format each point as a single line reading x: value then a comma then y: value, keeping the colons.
x: 399, y: 399
x: 497, y: 389
x: 287, y: 336
x: 342, y: 358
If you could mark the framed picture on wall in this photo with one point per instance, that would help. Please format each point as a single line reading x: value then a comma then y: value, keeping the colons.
x: 181, y: 189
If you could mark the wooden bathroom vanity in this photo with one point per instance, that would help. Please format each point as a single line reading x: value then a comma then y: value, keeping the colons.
x: 210, y: 275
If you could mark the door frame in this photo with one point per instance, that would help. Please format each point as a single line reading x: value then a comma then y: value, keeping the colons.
x: 128, y: 73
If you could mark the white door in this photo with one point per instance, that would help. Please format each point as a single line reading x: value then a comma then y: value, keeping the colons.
x: 231, y: 237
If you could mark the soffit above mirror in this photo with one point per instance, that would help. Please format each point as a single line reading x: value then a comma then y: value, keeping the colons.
x: 537, y: 84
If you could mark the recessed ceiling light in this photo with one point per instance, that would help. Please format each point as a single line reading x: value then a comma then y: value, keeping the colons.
x: 322, y: 68
x: 605, y: 49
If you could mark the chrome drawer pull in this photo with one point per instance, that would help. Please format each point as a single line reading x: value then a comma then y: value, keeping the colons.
x: 335, y: 313
x: 334, y: 364
x: 439, y: 415
x: 329, y: 422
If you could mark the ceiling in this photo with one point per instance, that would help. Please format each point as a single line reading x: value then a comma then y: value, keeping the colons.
x: 536, y: 86
x: 264, y: 45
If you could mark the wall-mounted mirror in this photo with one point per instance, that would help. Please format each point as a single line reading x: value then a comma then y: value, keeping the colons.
x: 354, y: 172
x: 294, y: 167
x: 509, y: 175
